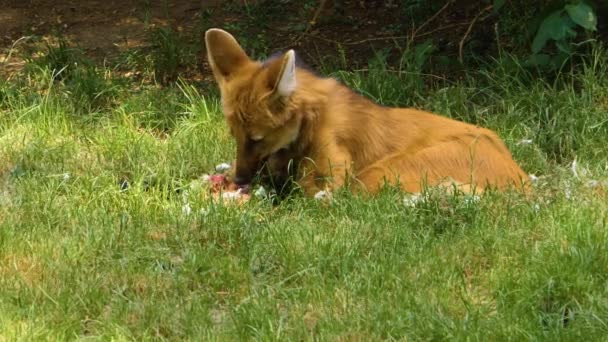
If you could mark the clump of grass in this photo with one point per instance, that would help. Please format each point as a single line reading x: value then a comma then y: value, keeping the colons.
x: 393, y: 86
x: 91, y: 91
x: 156, y: 109
x: 60, y: 58
x: 169, y: 53
x: 64, y: 70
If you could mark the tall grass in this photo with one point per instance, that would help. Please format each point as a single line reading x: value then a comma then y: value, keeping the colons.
x: 105, y: 232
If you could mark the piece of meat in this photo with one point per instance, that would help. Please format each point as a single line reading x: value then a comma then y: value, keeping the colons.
x: 221, y: 186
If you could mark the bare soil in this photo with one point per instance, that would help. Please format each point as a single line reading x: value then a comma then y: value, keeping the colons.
x: 353, y: 29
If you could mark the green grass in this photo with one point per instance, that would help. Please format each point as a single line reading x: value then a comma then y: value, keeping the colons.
x: 82, y: 258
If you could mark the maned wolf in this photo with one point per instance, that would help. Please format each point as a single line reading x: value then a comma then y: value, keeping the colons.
x: 279, y: 112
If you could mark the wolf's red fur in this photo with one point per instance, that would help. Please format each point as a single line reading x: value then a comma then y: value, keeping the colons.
x: 277, y: 112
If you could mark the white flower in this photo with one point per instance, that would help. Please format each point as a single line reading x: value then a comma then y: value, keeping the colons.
x: 205, y: 178
x: 260, y: 192
x: 578, y: 171
x: 471, y: 199
x: 573, y: 167
x: 568, y: 192
x: 185, y: 195
x: 186, y: 209
x: 232, y: 195
x: 411, y: 200
x: 223, y: 167
x: 66, y: 176
x: 525, y: 142
x: 533, y: 178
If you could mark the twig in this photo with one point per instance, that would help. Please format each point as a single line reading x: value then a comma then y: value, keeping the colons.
x: 466, y: 34
x: 413, y: 36
x: 367, y: 40
x: 312, y: 22
x: 317, y: 12
x: 374, y: 39
x: 12, y: 48
x: 407, y: 73
x: 441, y: 28
x: 410, y: 38
x: 498, y: 45
x: 324, y: 39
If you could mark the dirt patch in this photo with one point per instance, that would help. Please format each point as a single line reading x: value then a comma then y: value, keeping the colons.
x: 99, y: 27
x: 351, y: 31
x: 344, y: 32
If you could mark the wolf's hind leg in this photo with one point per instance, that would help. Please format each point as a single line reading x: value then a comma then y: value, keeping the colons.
x: 471, y: 167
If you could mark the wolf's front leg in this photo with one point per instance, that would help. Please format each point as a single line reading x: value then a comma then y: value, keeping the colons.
x: 278, y: 169
x: 327, y: 171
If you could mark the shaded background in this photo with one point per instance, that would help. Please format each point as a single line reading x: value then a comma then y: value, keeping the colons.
x: 343, y: 34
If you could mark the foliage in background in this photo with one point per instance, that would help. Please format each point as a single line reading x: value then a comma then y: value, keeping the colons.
x: 544, y: 34
x: 561, y: 26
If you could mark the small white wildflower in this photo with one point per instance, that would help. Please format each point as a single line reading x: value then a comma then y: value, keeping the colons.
x: 568, y: 192
x: 232, y: 195
x: 573, y: 167
x: 186, y: 209
x: 471, y: 199
x: 322, y: 195
x: 525, y: 142
x: 185, y: 195
x: 411, y: 200
x: 593, y: 184
x: 66, y: 176
x: 533, y: 178
x: 223, y: 167
x: 260, y: 192
x: 536, y: 207
x: 577, y: 170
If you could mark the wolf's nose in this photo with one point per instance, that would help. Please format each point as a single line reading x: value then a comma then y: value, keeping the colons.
x: 240, y: 180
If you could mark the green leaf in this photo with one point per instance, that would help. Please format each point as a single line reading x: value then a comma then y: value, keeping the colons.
x: 537, y: 60
x: 558, y: 60
x: 583, y: 15
x: 497, y: 5
x: 422, y: 52
x: 555, y: 26
x: 564, y: 46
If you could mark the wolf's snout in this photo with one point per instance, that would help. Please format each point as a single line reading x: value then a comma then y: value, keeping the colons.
x: 242, y: 179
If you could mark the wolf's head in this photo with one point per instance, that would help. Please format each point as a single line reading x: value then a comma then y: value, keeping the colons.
x: 255, y: 99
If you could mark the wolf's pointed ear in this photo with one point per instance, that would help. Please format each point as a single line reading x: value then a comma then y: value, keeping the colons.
x: 224, y: 53
x: 282, y: 75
